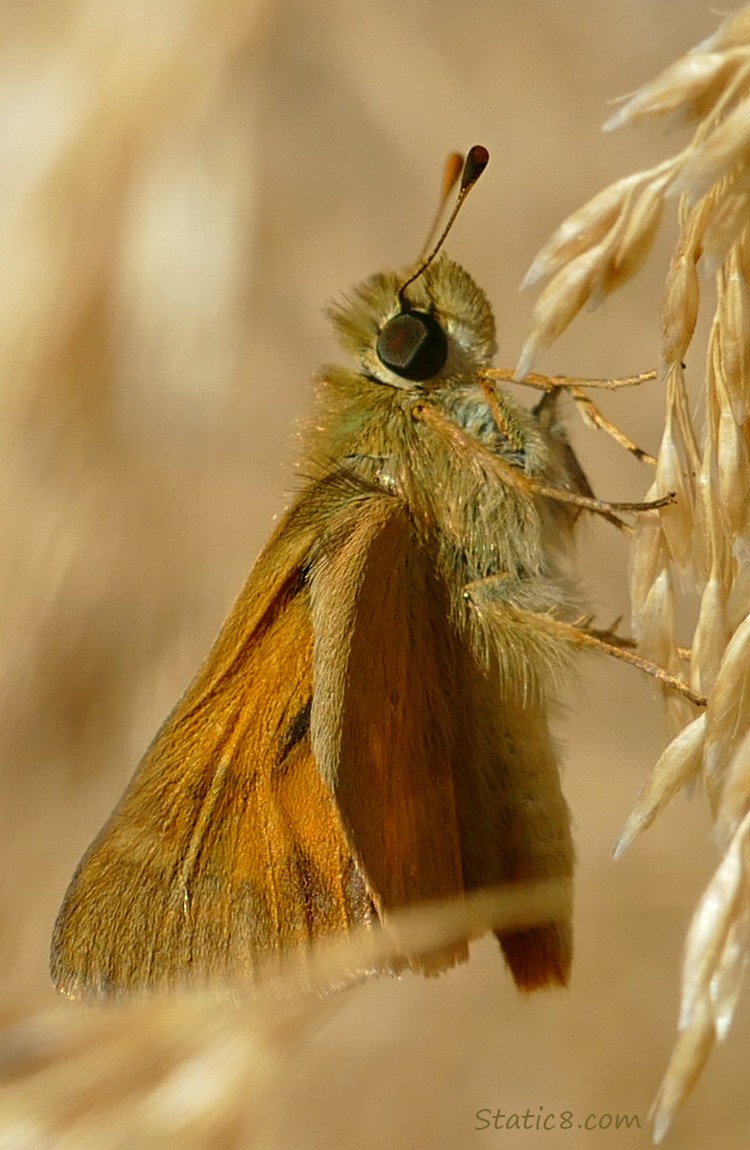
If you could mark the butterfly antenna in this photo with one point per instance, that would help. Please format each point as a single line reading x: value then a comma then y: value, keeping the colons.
x: 454, y: 166
x: 469, y: 171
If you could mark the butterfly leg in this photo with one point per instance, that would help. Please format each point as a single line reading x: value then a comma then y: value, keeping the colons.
x: 528, y: 486
x: 575, y: 388
x: 516, y: 596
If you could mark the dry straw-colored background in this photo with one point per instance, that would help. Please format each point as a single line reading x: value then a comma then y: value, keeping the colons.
x: 183, y: 188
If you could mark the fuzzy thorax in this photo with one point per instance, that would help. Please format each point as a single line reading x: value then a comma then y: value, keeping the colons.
x: 459, y: 472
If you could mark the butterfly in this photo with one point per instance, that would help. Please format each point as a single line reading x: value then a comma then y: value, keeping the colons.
x: 370, y: 730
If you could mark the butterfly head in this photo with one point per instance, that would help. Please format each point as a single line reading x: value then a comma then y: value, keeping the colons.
x: 440, y: 328
x: 413, y: 329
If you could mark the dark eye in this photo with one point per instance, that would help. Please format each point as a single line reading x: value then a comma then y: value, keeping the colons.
x: 413, y: 345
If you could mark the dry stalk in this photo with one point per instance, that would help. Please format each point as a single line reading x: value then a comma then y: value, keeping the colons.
x: 190, y: 1070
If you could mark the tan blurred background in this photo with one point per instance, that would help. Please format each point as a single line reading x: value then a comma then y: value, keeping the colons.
x: 183, y: 188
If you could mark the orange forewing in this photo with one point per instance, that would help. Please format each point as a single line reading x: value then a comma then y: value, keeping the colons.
x: 226, y: 846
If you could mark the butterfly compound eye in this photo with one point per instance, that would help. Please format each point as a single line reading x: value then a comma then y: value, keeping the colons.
x: 413, y: 345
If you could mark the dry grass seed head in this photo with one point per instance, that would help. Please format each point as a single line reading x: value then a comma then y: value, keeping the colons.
x: 705, y: 537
